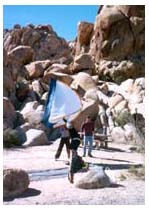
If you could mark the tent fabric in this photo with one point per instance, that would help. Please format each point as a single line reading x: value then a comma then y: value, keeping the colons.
x: 62, y: 102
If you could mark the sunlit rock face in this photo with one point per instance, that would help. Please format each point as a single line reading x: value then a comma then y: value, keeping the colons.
x: 118, y: 42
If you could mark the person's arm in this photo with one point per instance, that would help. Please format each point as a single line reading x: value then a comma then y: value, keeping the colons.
x: 64, y: 119
x: 57, y: 125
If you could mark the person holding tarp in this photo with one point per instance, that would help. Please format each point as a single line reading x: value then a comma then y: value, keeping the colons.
x: 57, y: 110
x: 76, y: 162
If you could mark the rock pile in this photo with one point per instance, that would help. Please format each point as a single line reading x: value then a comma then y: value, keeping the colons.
x: 105, y: 66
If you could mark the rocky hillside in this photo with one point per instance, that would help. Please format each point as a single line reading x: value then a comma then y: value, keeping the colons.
x: 105, y: 65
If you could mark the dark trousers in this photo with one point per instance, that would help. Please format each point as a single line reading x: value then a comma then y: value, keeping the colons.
x: 63, y: 141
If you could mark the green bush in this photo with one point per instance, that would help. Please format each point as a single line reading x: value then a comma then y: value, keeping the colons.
x: 137, y: 172
x: 122, y: 177
x: 117, y: 79
x: 10, y: 138
x: 123, y: 118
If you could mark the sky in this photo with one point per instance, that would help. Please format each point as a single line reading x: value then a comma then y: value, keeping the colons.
x: 63, y: 18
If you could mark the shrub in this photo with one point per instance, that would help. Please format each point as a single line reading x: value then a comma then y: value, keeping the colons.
x: 137, y: 172
x: 123, y: 118
x: 122, y: 177
x: 10, y: 138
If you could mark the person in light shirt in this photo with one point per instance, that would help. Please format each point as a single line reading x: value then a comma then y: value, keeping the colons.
x: 65, y: 140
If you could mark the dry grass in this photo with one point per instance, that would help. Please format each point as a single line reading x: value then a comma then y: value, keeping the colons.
x: 137, y: 172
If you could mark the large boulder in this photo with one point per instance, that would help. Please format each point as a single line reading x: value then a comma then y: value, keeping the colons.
x: 104, y: 88
x: 83, y: 80
x: 37, y: 87
x: 94, y: 179
x: 33, y: 114
x: 91, y: 94
x: 118, y: 41
x: 85, y: 31
x: 104, y: 99
x: 8, y: 83
x: 96, y: 95
x: 120, y: 70
x: 118, y: 135
x: 140, y: 82
x: 83, y: 62
x: 136, y: 87
x: 9, y: 114
x: 21, y: 55
x: 113, y: 35
x: 134, y: 93
x: 22, y: 90
x: 133, y: 134
x: 15, y: 182
x: 29, y: 107
x: 35, y: 138
x: 57, y: 76
x: 136, y: 98
x: 25, y: 127
x: 36, y: 69
x: 90, y: 107
x: 121, y: 106
x: 18, y: 57
x: 115, y: 100
x: 129, y: 94
x: 127, y: 85
x: 57, y: 67
x: 129, y: 11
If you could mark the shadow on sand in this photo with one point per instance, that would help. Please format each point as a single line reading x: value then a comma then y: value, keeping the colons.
x: 110, y: 149
x: 116, y: 166
x: 28, y: 193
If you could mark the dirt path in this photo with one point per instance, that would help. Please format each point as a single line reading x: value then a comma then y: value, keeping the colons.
x: 49, y: 184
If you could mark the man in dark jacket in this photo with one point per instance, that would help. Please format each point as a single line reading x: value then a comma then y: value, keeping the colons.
x: 87, y: 128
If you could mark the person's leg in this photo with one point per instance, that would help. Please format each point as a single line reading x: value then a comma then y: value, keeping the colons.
x: 59, y: 150
x: 73, y: 153
x: 71, y: 177
x: 67, y: 143
x: 90, y: 139
x: 85, y: 139
x: 104, y: 130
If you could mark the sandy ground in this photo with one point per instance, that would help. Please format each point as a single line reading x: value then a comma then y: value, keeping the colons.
x: 53, y: 190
